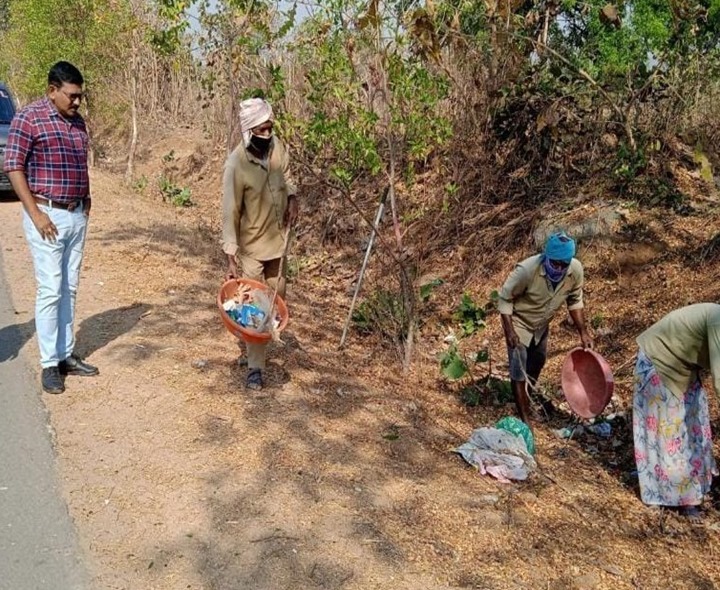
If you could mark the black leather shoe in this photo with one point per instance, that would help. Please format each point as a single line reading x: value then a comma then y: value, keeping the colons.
x: 76, y: 366
x: 51, y: 380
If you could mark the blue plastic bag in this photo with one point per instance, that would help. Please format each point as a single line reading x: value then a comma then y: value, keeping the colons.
x: 251, y: 316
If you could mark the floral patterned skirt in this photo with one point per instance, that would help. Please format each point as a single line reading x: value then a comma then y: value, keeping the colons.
x: 673, y: 441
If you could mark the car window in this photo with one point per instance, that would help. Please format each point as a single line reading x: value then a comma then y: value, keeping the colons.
x: 7, y: 110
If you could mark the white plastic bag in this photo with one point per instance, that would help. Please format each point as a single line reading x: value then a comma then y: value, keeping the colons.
x: 498, y: 453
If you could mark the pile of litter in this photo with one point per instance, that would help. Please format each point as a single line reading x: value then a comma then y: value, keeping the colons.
x: 250, y: 308
x: 600, y: 427
x: 505, y: 452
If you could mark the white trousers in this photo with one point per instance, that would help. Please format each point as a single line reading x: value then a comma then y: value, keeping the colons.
x: 57, y: 274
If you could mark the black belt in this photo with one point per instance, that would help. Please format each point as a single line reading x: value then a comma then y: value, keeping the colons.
x: 71, y: 206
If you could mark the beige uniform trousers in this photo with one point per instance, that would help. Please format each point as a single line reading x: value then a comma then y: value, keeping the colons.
x: 267, y: 271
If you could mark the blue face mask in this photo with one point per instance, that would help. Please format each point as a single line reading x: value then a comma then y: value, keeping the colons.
x: 554, y: 274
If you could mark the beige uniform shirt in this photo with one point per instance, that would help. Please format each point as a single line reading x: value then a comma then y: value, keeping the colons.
x: 255, y: 196
x: 681, y: 343
x: 529, y: 298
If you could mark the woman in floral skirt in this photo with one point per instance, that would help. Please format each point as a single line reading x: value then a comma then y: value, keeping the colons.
x: 671, y: 421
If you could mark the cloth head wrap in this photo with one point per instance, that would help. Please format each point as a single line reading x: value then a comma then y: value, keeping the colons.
x: 560, y: 246
x: 253, y: 112
x: 555, y: 275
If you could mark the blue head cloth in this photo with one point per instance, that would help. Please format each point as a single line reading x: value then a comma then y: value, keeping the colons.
x: 560, y: 246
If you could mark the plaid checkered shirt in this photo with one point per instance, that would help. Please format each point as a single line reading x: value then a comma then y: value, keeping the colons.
x: 51, y: 150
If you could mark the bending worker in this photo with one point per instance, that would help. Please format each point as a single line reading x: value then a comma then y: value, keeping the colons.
x: 530, y: 297
x: 671, y: 419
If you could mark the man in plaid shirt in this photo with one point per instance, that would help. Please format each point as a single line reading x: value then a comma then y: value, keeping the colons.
x: 46, y: 161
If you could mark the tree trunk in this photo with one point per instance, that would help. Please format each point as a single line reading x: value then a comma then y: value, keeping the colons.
x: 130, y: 171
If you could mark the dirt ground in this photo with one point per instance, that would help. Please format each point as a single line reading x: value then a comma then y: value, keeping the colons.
x: 340, y: 473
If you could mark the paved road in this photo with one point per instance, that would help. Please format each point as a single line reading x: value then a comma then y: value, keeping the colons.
x: 38, y: 548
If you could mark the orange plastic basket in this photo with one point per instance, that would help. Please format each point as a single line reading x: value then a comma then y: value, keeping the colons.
x: 228, y: 290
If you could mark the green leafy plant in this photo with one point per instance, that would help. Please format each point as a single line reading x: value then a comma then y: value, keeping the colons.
x: 452, y: 364
x: 426, y: 289
x: 470, y: 316
x: 140, y: 184
x: 182, y: 198
x: 178, y: 196
x: 458, y: 366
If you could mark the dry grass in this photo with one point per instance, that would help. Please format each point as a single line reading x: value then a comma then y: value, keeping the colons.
x: 340, y: 475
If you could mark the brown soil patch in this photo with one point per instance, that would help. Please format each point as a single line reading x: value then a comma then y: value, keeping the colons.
x: 339, y: 475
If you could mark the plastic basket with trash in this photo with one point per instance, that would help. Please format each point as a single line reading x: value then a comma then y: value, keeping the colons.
x: 244, y: 307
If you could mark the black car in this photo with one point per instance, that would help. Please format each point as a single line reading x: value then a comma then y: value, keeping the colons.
x: 7, y: 112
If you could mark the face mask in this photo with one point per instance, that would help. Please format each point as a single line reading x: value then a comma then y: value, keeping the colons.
x: 260, y: 144
x: 554, y: 274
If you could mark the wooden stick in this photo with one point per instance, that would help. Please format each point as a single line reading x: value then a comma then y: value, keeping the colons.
x: 269, y: 317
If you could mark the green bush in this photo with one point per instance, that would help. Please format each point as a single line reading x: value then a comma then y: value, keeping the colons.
x: 178, y: 196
